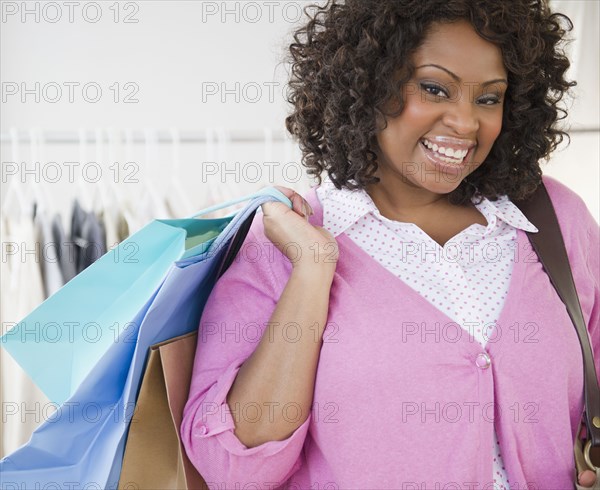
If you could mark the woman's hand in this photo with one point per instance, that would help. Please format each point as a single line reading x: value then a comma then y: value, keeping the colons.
x: 303, y: 244
x: 587, y: 478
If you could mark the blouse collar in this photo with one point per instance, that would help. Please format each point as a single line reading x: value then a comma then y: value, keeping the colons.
x: 357, y: 203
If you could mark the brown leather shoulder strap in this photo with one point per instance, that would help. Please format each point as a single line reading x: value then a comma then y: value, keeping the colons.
x: 550, y: 247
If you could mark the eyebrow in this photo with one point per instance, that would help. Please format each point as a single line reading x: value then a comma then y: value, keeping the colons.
x: 489, y: 82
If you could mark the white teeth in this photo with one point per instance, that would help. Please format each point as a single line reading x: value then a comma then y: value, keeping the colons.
x: 457, y: 155
x: 450, y: 160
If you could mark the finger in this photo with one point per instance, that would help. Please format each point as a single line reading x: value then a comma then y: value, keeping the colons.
x: 294, y: 197
x: 270, y: 207
x: 278, y: 207
x: 298, y: 204
x: 304, y: 208
x: 587, y: 478
x: 309, y: 207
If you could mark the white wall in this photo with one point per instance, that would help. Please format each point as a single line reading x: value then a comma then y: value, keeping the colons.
x: 174, y: 58
x: 578, y: 166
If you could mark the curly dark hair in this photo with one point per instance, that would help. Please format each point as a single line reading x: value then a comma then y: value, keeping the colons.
x: 344, y: 69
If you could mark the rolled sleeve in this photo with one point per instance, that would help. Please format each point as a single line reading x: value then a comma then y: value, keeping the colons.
x: 246, y: 295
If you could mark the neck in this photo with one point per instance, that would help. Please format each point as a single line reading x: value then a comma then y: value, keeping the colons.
x: 400, y: 200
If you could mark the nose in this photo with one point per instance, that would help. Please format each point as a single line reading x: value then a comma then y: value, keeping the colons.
x: 461, y: 117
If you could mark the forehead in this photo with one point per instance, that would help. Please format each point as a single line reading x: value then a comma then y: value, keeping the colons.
x: 458, y: 47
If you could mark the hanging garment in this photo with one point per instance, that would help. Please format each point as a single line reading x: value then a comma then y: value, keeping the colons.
x: 24, y: 406
x: 112, y: 220
x: 78, y: 216
x: 65, y: 249
x: 49, y: 254
x: 173, y: 207
x: 122, y: 227
x: 88, y: 235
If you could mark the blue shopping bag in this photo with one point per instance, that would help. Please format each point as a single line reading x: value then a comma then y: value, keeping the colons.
x: 81, y: 445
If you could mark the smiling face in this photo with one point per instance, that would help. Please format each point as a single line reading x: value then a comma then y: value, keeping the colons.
x: 456, y: 104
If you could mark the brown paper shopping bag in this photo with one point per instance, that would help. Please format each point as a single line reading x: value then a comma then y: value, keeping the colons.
x: 154, y: 456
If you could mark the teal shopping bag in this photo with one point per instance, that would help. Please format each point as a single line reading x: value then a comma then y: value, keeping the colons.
x: 60, y: 341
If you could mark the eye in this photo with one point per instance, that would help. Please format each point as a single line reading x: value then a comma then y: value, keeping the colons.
x: 429, y: 86
x: 491, y: 100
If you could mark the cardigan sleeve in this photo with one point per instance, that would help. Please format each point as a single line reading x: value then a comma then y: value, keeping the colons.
x: 582, y: 240
x: 593, y: 266
x: 231, y: 326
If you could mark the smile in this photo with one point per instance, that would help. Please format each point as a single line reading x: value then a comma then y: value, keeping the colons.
x: 444, y: 162
x: 446, y: 154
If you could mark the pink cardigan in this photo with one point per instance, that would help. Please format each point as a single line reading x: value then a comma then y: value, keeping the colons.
x: 404, y: 397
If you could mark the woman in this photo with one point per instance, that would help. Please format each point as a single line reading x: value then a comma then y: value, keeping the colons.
x: 367, y: 338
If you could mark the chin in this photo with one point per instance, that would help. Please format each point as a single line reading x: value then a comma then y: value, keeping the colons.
x: 443, y: 186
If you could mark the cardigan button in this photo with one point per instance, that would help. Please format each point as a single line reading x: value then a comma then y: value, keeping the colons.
x: 483, y: 361
x: 202, y: 429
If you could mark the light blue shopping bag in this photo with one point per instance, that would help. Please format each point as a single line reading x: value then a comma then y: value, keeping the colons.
x: 58, y: 343
x: 84, y: 440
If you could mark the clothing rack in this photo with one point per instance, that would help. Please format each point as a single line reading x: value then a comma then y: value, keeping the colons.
x: 162, y: 136
x: 165, y: 137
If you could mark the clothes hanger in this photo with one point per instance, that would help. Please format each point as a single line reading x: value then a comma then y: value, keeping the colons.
x: 35, y: 202
x: 15, y: 192
x: 268, y: 151
x: 113, y: 191
x: 223, y: 146
x: 126, y: 204
x: 212, y: 191
x: 83, y: 195
x: 99, y: 194
x: 149, y: 192
x: 225, y: 190
x: 175, y: 190
x: 25, y: 215
x: 39, y: 192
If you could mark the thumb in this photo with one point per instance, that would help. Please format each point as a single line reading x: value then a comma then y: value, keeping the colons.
x: 587, y: 478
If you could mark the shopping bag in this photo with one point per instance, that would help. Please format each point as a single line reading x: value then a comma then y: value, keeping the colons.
x: 60, y: 341
x: 154, y: 455
x: 84, y: 440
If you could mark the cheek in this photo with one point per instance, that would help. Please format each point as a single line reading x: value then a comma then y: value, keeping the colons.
x: 418, y: 112
x: 491, y: 128
x: 415, y: 120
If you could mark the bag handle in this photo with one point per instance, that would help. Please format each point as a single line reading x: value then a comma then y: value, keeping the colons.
x: 234, y: 234
x: 271, y: 192
x: 549, y: 245
x: 240, y: 216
